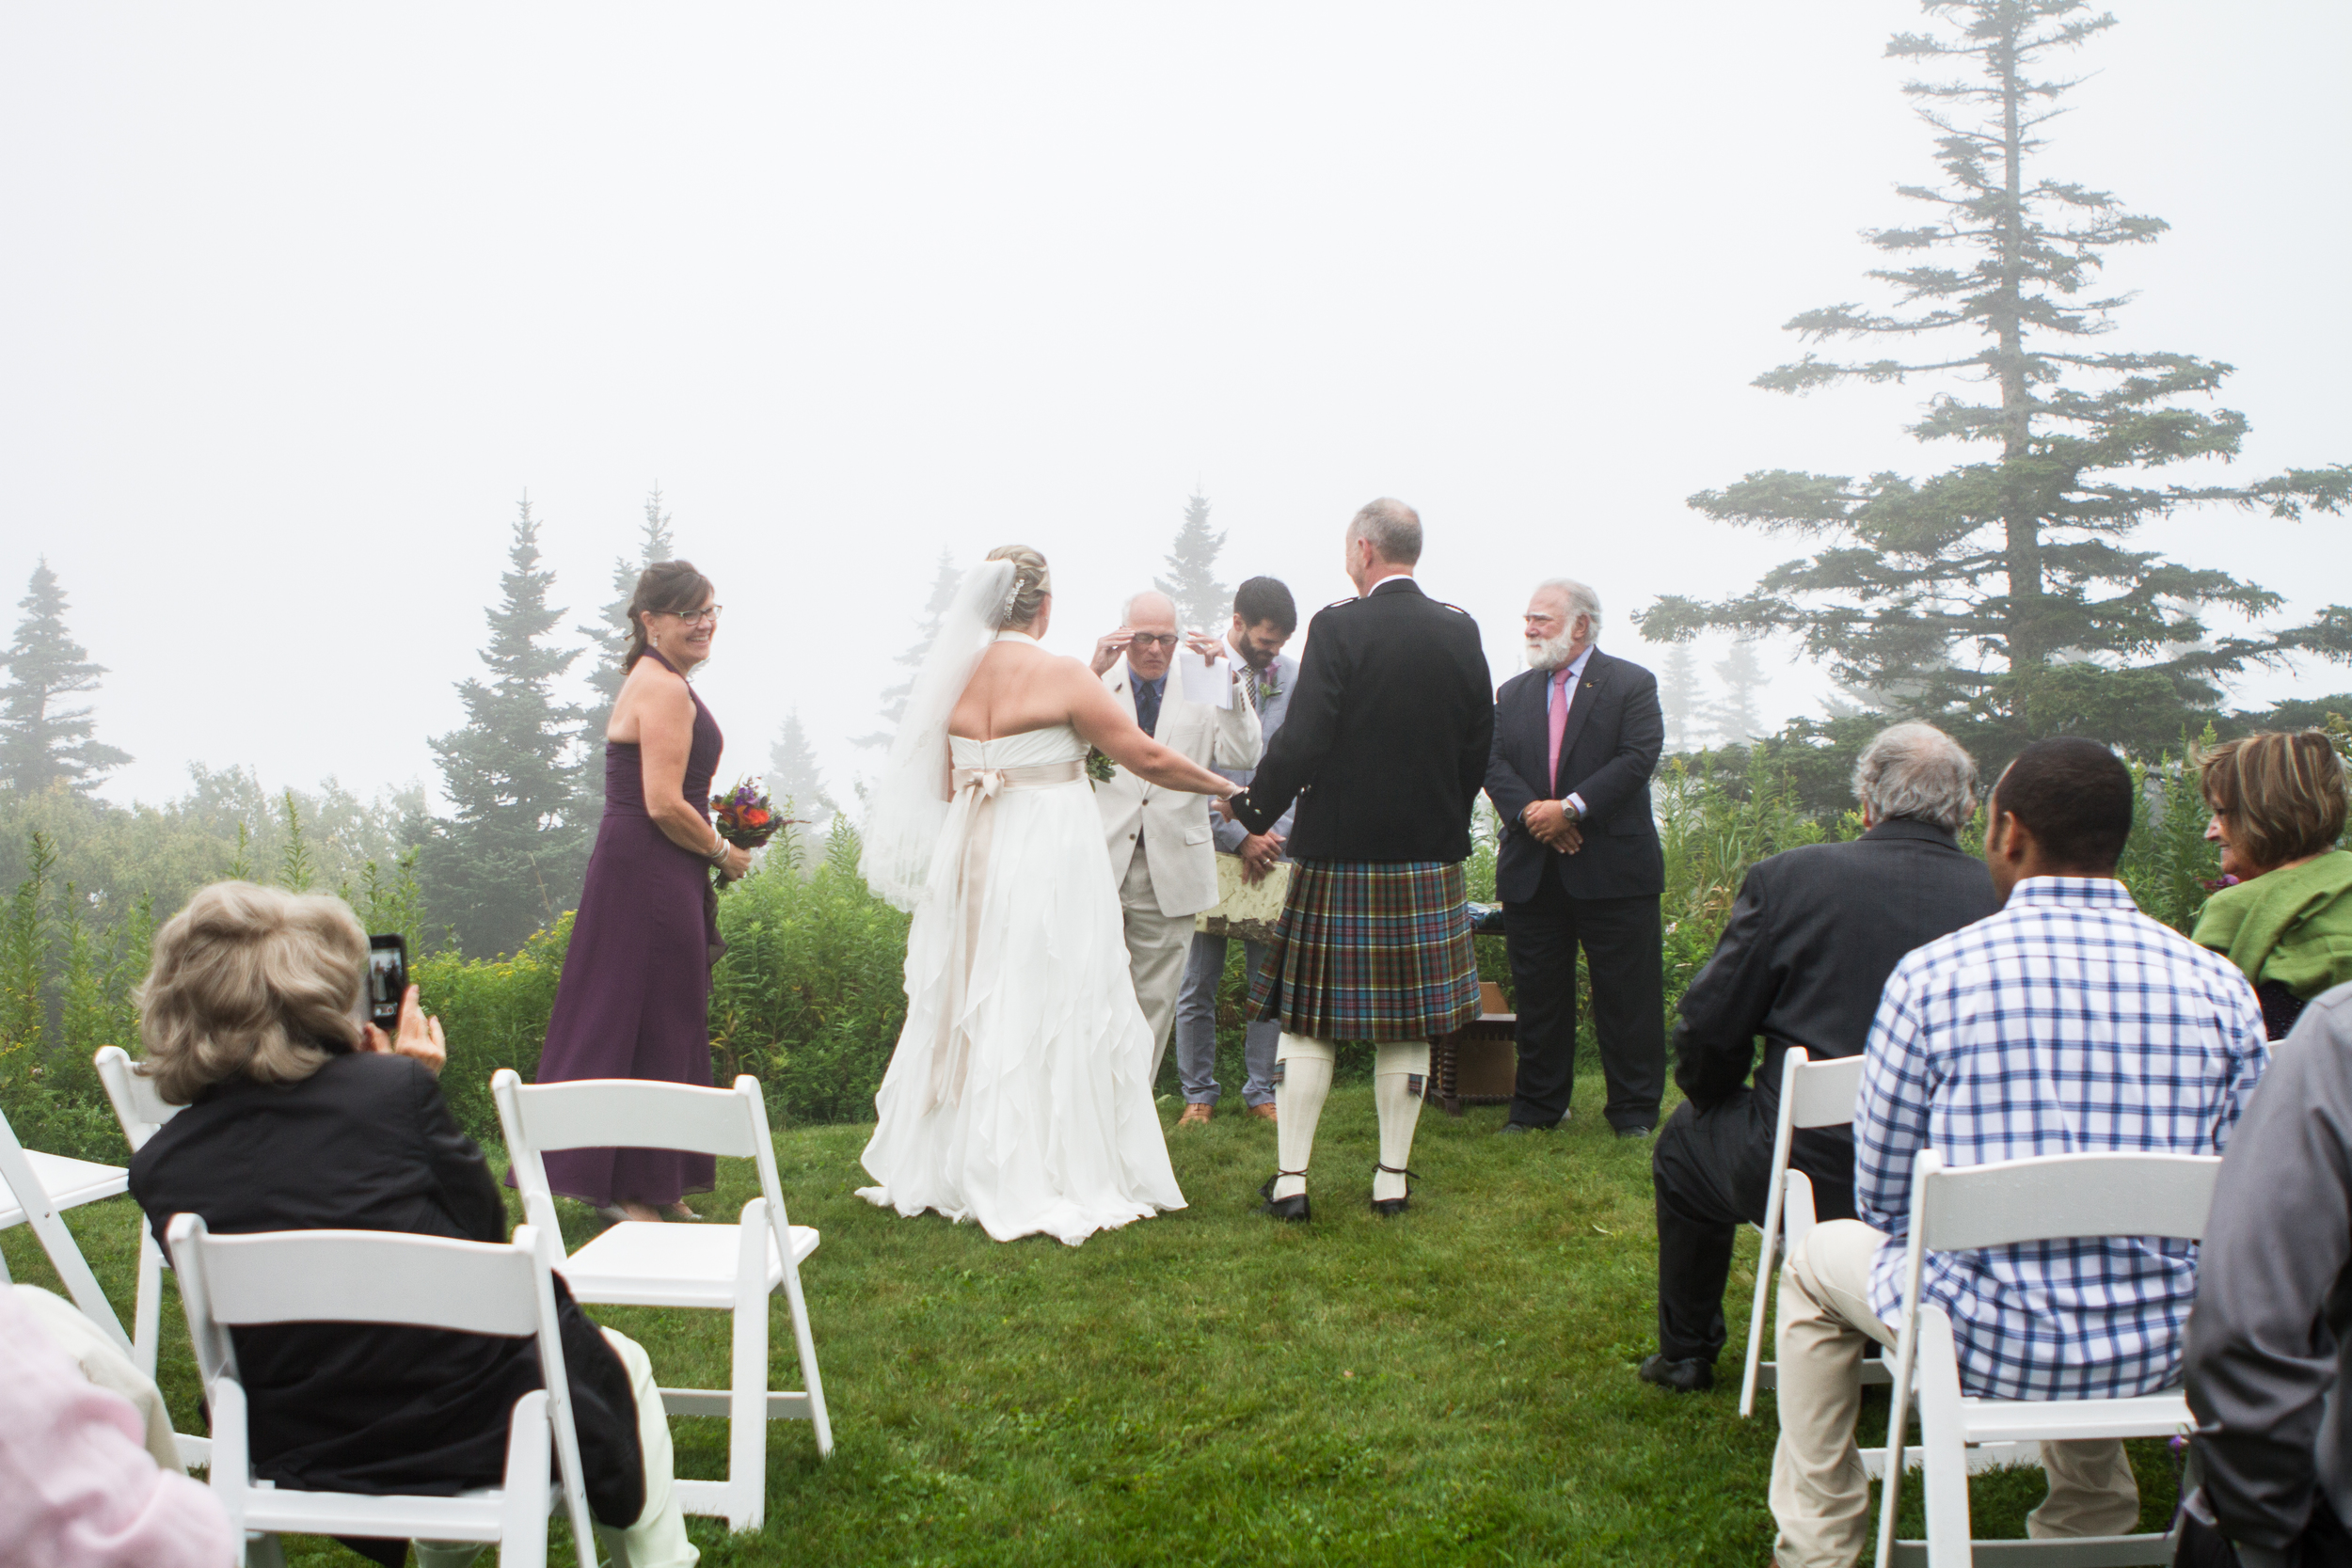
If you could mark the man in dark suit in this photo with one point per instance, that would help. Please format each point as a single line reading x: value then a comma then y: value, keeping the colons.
x: 1576, y: 739
x: 1383, y: 748
x: 1811, y: 940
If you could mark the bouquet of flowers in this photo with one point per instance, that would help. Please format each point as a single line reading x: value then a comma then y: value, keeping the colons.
x: 745, y: 817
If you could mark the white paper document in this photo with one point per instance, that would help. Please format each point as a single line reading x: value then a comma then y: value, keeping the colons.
x: 1205, y: 682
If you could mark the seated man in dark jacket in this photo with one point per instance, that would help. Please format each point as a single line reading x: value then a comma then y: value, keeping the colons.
x: 2270, y: 1338
x: 300, y: 1118
x: 1811, y: 940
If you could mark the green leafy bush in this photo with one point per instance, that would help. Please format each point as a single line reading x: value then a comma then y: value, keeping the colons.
x: 495, y: 1012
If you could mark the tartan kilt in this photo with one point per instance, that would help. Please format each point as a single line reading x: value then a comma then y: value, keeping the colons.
x: 1371, y: 950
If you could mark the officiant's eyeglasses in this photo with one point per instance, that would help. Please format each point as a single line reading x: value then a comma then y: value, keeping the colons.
x: 1155, y: 638
x: 695, y: 617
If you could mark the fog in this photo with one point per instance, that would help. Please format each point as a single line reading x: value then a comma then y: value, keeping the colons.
x: 298, y: 301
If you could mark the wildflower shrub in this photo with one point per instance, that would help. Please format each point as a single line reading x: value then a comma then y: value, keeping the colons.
x: 809, y: 995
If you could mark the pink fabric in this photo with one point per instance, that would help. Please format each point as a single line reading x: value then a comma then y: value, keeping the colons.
x: 1559, y: 722
x: 77, y: 1486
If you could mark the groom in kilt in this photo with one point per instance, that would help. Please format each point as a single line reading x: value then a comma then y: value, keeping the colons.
x: 1384, y: 748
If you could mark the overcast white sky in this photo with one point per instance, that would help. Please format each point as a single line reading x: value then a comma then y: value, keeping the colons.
x: 298, y: 300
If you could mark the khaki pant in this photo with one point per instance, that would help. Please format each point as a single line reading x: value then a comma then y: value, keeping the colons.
x: 1819, y: 1495
x: 658, y: 1539
x: 1157, y: 945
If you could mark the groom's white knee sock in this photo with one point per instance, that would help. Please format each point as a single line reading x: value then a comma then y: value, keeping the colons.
x: 1302, y: 1080
x: 1399, y: 1073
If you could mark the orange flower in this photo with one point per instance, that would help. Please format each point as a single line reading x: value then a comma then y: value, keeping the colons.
x: 755, y: 817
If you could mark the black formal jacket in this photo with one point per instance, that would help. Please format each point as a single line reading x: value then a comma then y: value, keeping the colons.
x: 1814, y: 935
x: 1607, y: 755
x: 1386, y: 739
x: 367, y: 1143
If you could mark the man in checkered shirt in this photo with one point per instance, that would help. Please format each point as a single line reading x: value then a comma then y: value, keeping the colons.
x: 2067, y: 1023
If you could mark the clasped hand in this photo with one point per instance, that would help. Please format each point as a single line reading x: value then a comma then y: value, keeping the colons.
x: 1259, y: 852
x: 1549, y: 823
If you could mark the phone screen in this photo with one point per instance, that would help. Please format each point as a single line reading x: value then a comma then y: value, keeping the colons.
x: 388, y: 979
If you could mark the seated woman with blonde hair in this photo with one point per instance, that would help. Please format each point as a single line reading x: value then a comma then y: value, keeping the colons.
x: 300, y: 1117
x: 2278, y: 806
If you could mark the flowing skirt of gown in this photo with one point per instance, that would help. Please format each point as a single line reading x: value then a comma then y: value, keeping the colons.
x: 1042, y: 1120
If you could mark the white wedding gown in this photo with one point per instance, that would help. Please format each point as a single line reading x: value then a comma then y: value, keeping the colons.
x: 1024, y: 1104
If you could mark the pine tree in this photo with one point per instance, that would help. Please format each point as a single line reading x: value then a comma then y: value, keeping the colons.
x: 43, y: 742
x: 1996, y: 597
x: 794, y: 776
x: 509, y: 859
x: 1735, y: 718
x: 1202, y: 603
x: 1679, y: 698
x: 893, y: 700
x: 610, y: 631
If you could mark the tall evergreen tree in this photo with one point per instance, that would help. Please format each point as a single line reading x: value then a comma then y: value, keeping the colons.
x: 609, y: 633
x: 1736, y: 718
x: 44, y: 741
x: 1680, y: 700
x: 893, y: 700
x: 1202, y: 603
x: 1996, y: 597
x: 510, y: 857
x: 793, y: 774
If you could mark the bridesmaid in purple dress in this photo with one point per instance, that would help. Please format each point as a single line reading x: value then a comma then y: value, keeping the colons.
x: 634, y: 1000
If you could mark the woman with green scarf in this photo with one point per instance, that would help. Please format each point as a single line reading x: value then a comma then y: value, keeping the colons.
x: 2284, y: 914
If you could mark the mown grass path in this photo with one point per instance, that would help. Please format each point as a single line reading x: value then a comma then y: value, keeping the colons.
x: 1452, y: 1386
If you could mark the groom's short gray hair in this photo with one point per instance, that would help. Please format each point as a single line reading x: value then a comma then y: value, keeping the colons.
x: 1394, y: 528
x: 1581, y: 601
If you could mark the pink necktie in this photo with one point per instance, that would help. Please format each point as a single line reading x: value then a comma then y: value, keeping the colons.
x: 1559, y: 722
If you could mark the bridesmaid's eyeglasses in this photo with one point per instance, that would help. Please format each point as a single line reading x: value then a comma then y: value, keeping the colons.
x: 695, y: 617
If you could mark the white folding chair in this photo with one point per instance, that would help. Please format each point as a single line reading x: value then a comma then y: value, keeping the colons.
x: 727, y: 1268
x: 2051, y: 1198
x: 140, y: 1110
x: 1812, y: 1094
x: 382, y: 1276
x: 37, y: 1187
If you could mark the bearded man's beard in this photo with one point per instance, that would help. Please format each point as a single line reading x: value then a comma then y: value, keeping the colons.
x: 1548, y: 653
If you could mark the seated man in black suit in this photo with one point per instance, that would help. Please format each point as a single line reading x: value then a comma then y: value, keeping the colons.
x: 1576, y: 739
x: 1812, y: 938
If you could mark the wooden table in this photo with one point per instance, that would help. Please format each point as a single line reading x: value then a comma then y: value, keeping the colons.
x: 1478, y: 1064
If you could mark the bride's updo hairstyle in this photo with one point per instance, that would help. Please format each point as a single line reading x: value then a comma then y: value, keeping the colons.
x: 1032, y: 580
x: 671, y: 585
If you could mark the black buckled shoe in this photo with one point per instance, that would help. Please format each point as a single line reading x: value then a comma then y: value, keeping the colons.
x: 1388, y: 1208
x: 1292, y: 1208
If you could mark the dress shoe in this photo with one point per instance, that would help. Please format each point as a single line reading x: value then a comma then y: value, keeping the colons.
x: 1624, y: 1132
x: 1388, y: 1208
x: 1531, y: 1125
x: 1293, y: 1208
x: 1197, y: 1111
x: 1683, y: 1377
x: 1264, y: 1112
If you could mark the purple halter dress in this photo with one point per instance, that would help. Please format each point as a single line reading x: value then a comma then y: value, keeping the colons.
x: 634, y: 999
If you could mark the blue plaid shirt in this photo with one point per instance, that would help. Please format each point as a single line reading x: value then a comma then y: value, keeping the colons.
x: 2067, y: 1023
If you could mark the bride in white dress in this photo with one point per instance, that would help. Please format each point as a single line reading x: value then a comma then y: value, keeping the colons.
x: 1019, y: 1094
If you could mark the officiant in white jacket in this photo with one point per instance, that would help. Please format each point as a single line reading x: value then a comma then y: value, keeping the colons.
x: 1161, y: 843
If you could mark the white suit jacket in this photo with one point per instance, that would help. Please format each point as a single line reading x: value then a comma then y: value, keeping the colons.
x: 1175, y: 827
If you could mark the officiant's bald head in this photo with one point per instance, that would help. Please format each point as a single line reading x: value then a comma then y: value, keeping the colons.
x: 1151, y: 622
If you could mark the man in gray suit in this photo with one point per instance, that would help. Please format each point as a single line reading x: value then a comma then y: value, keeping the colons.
x: 1265, y: 616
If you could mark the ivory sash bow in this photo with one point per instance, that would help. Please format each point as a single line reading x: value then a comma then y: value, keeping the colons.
x: 979, y: 787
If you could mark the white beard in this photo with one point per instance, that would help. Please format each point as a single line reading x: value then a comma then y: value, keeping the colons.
x: 1548, y: 653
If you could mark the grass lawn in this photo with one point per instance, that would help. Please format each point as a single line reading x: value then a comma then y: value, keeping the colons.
x: 1455, y: 1386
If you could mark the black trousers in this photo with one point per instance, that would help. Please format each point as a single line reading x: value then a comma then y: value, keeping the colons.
x: 1621, y: 941
x: 1709, y: 1171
